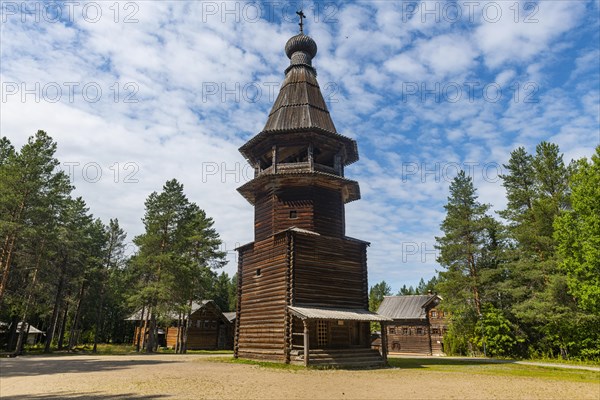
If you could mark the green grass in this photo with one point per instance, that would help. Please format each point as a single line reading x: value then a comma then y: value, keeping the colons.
x: 112, y: 350
x: 210, y: 352
x: 506, y: 368
x: 200, y: 352
x: 479, y: 367
x: 102, y: 350
x: 589, y: 363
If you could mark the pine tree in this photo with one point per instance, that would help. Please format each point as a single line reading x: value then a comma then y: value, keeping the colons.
x: 376, y: 294
x: 537, y: 190
x: 465, y: 253
x: 406, y: 291
x: 462, y: 247
x: 176, y: 253
x: 29, y: 185
x: 112, y: 258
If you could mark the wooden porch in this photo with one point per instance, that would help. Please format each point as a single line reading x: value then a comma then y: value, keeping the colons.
x: 334, y: 337
x: 345, y: 358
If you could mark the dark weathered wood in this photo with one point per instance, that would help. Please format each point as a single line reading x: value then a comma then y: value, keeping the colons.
x: 306, y: 343
x: 384, y: 340
x: 203, y: 329
x: 263, y: 298
x: 423, y: 336
x: 300, y: 255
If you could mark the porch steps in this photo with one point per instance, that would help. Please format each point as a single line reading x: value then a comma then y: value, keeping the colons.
x: 352, y: 358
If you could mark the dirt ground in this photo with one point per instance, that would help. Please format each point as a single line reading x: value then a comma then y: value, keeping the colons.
x: 196, y: 377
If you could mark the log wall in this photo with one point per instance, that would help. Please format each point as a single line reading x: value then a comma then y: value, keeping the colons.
x: 411, y: 336
x: 197, y: 339
x: 418, y: 336
x: 312, y: 208
x: 438, y: 325
x: 329, y: 212
x: 262, y: 300
x: 203, y: 335
x: 330, y: 272
x: 263, y: 216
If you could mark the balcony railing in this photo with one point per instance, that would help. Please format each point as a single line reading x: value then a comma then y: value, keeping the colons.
x: 300, y: 167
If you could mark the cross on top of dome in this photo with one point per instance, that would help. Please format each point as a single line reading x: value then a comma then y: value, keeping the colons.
x: 301, y: 16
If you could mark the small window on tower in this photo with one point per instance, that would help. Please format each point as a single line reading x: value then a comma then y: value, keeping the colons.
x: 257, y: 272
x: 293, y: 214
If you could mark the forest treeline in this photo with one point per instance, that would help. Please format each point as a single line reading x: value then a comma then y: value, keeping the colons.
x: 524, y: 282
x: 67, y: 273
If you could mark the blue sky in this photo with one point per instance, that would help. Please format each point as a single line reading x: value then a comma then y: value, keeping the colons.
x: 139, y: 92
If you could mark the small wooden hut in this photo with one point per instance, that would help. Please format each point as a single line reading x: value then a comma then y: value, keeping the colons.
x: 34, y: 335
x: 208, y: 328
x: 418, y: 324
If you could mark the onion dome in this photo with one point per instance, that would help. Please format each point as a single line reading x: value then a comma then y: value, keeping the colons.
x: 301, y: 49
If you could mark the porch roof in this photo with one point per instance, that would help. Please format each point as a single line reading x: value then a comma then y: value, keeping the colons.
x: 336, y: 313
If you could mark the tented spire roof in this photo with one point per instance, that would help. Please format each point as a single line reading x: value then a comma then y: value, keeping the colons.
x: 300, y: 104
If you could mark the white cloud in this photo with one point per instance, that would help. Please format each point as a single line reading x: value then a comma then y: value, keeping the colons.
x: 182, y: 60
x: 447, y: 55
x: 523, y: 30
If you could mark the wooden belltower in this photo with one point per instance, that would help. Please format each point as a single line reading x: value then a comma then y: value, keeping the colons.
x: 302, y: 284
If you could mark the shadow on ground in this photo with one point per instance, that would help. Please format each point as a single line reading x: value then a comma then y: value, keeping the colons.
x: 33, y: 366
x: 82, y: 396
x: 401, y: 362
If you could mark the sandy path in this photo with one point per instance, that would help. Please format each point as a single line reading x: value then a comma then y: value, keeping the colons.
x: 194, y: 377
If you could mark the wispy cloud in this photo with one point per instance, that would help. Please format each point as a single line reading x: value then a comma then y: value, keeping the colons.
x: 167, y: 89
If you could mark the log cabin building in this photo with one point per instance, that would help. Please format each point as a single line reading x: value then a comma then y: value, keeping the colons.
x: 209, y: 328
x: 302, y: 283
x: 418, y: 324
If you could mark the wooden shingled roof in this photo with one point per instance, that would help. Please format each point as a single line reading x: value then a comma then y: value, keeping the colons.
x: 300, y: 104
x: 408, y: 307
x: 350, y: 189
x: 136, y: 316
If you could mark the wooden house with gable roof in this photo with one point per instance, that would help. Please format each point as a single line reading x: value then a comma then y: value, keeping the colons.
x: 208, y: 328
x: 302, y: 283
x: 418, y: 324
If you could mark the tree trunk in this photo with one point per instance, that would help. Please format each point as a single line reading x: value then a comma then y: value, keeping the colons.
x: 20, y: 338
x: 57, y: 301
x: 99, y: 319
x: 63, y: 327
x: 178, y: 339
x: 25, y: 318
x: 186, y: 327
x: 7, y: 251
x: 151, y: 334
x: 21, y: 344
x: 140, y: 332
x: 181, y: 332
x: 12, y: 332
x: 73, y: 335
x: 475, y: 286
x: 6, y: 266
x: 184, y: 336
x: 146, y: 332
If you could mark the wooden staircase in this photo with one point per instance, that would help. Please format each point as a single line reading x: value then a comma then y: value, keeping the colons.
x: 341, y: 358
